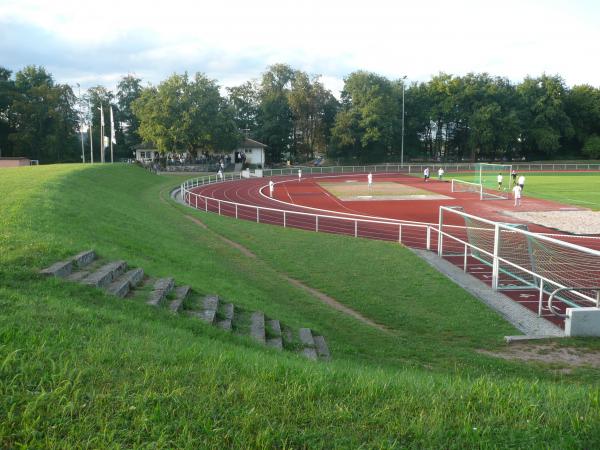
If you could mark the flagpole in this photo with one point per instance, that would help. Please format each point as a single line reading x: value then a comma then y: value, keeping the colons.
x: 112, y: 134
x: 101, y: 134
x: 91, y: 144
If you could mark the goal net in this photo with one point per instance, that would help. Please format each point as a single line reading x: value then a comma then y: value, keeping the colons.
x: 488, y: 176
x: 467, y: 186
x: 516, y: 258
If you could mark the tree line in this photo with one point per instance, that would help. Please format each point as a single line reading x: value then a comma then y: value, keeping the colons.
x: 448, y: 118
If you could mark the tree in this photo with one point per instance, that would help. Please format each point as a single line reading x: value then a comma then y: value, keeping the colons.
x: 42, y: 117
x: 274, y: 119
x: 184, y: 114
x: 591, y: 148
x: 7, y: 90
x: 367, y: 126
x: 129, y: 89
x: 244, y: 100
x: 96, y: 96
x: 582, y: 105
x: 545, y: 124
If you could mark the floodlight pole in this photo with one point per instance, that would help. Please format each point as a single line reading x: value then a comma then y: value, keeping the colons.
x: 402, y: 141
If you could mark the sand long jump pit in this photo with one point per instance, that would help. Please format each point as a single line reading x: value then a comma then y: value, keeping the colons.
x: 351, y: 190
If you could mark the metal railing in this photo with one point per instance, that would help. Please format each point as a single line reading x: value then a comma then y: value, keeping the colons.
x: 413, y: 234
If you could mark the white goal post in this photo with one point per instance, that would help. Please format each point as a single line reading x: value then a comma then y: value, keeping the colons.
x: 467, y: 186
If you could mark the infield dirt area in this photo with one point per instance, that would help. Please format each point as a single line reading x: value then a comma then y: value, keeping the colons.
x: 351, y: 190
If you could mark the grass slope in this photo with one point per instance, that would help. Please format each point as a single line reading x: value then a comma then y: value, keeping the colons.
x: 82, y: 369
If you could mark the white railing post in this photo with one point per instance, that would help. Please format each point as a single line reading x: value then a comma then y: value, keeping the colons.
x: 541, y: 297
x: 400, y: 234
x: 236, y: 210
x: 496, y: 263
x: 206, y: 204
x: 219, y: 207
x: 440, y: 233
x: 196, y: 200
x: 317, y: 224
x: 428, y: 246
x: 356, y: 228
x: 465, y: 259
x: 284, y: 219
x: 257, y: 215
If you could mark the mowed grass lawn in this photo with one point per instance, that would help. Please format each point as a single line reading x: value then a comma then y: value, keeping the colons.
x: 80, y: 369
x: 571, y: 188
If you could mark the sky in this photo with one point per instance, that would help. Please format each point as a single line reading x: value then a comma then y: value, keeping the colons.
x: 232, y: 41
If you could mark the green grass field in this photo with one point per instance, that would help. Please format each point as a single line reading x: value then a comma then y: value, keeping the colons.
x: 572, y: 188
x: 81, y: 369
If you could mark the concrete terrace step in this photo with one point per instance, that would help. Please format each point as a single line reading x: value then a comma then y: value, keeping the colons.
x: 105, y: 274
x: 77, y: 276
x: 211, y: 305
x: 64, y: 268
x: 226, y: 323
x: 309, y: 353
x: 306, y: 337
x: 162, y: 287
x: 181, y: 294
x: 257, y: 327
x: 321, y: 347
x: 276, y: 342
x: 60, y: 269
x: 122, y: 285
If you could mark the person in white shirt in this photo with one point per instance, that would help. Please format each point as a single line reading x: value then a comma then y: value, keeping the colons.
x: 500, y: 177
x: 370, y: 179
x: 220, y: 175
x: 440, y: 174
x: 521, y: 182
x: 517, y: 194
x: 299, y: 174
x: 426, y: 173
x: 271, y: 188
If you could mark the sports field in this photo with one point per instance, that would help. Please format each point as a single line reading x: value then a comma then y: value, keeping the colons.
x: 575, y: 188
x: 82, y: 369
x: 356, y: 190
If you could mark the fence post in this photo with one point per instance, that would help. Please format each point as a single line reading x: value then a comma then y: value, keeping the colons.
x: 196, y: 199
x: 236, y: 210
x: 440, y: 234
x: 219, y: 207
x: 541, y: 297
x: 206, y: 204
x: 356, y: 228
x: 317, y: 224
x: 465, y: 259
x: 284, y: 219
x: 400, y: 234
x: 257, y: 215
x: 496, y: 264
x: 428, y: 237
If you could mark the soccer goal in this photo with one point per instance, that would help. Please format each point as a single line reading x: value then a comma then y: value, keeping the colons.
x: 467, y: 186
x: 487, y: 175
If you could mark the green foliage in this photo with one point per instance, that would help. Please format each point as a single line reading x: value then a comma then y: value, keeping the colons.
x: 184, y: 114
x: 37, y: 117
x: 591, y: 148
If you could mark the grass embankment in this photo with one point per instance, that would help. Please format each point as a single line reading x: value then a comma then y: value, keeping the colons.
x: 82, y: 369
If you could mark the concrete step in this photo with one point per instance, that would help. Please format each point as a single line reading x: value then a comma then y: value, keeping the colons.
x: 210, y: 305
x: 84, y: 258
x: 122, y: 285
x: 229, y: 311
x: 225, y: 324
x: 181, y: 294
x: 60, y: 269
x: 306, y: 337
x: 257, y: 327
x: 162, y: 287
x: 309, y: 353
x: 77, y: 276
x: 275, y: 327
x: 321, y: 347
x: 105, y: 274
x: 276, y: 342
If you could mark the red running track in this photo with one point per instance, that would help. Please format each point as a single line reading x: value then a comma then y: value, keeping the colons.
x: 295, y: 204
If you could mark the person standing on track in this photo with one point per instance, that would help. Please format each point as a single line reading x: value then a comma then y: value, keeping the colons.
x: 517, y: 194
x: 271, y: 188
x: 440, y: 174
x: 500, y: 178
x: 426, y: 174
x: 513, y: 174
x: 220, y: 175
x: 370, y: 180
x: 521, y: 182
x: 299, y: 175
